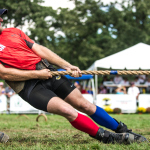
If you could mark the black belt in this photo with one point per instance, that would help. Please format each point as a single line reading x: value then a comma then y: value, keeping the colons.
x: 43, y: 64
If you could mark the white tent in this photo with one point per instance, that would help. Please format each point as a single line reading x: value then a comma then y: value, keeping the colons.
x: 133, y: 58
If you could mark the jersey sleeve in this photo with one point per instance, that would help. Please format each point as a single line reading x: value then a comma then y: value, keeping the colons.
x: 28, y: 41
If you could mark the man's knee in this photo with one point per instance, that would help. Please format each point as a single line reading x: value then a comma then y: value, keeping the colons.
x: 60, y: 107
x: 69, y: 113
x: 86, y: 106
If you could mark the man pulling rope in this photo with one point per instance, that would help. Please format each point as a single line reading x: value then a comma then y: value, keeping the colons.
x: 25, y: 66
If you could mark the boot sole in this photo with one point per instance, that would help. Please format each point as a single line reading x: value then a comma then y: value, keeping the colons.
x: 4, y: 139
x: 131, y: 139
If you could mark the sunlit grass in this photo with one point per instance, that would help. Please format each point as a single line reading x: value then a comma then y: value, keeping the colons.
x: 57, y: 133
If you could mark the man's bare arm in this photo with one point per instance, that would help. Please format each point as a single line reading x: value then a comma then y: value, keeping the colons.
x: 53, y: 58
x: 12, y: 74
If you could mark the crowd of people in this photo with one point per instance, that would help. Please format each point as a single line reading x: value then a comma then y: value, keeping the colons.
x: 79, y: 86
x: 119, y: 85
x: 122, y: 85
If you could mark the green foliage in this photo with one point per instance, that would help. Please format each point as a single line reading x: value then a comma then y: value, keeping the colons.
x: 80, y: 27
x: 89, y: 32
x: 93, y: 30
x: 131, y: 23
x: 20, y: 10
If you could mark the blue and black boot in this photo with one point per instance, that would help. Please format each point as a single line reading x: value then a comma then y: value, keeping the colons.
x: 111, y: 137
x: 122, y: 128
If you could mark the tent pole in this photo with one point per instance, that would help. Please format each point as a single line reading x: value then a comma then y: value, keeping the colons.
x: 96, y: 87
x: 93, y: 89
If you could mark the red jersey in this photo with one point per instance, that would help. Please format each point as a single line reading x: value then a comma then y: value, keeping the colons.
x: 15, y: 50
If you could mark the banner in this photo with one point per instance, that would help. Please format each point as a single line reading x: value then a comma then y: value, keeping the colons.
x: 144, y: 100
x: 3, y: 103
x: 127, y: 103
x: 18, y: 105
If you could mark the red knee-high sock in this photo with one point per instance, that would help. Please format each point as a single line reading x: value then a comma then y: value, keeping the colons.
x: 85, y: 124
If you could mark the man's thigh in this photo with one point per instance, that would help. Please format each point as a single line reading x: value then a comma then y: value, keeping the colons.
x: 43, y: 92
x: 45, y: 99
x: 64, y: 89
x: 40, y: 96
x: 58, y: 106
x: 76, y: 99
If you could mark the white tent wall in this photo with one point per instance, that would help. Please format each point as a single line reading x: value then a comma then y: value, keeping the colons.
x: 133, y: 58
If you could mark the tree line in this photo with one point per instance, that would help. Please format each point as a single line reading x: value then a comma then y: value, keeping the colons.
x: 86, y: 33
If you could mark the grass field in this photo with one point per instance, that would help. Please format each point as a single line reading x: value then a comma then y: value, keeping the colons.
x: 57, y: 134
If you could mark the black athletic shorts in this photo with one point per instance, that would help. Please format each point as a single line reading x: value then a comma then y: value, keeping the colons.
x: 38, y: 92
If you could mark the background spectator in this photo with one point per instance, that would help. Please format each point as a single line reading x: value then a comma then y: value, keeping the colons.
x: 133, y: 90
x: 125, y: 81
x: 108, y: 88
x: 142, y: 79
x: 121, y: 90
x: 117, y: 79
x: 90, y: 91
x: 77, y: 85
x: 2, y: 89
x: 80, y: 87
x: 102, y: 90
x: 83, y: 91
x: 136, y: 80
x: 105, y: 79
x: 9, y: 91
x: 148, y: 84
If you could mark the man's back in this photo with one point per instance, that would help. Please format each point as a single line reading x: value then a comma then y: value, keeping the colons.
x: 15, y: 50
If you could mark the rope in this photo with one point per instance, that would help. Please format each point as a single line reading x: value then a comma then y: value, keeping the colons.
x: 103, y: 72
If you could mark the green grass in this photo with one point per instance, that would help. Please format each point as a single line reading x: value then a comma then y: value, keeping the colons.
x: 57, y: 134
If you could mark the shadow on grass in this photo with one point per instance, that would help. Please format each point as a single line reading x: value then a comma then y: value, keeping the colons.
x: 48, y: 140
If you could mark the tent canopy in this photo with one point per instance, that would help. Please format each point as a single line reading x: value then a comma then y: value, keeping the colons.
x: 84, y: 76
x: 133, y: 58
